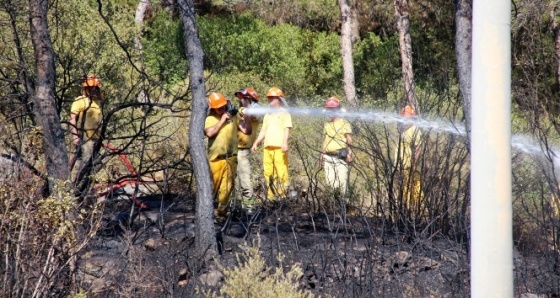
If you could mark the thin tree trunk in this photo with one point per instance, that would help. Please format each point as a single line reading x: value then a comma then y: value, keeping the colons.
x: 206, y: 244
x: 23, y: 73
x: 355, y: 23
x: 463, y: 50
x: 556, y: 29
x: 557, y: 46
x: 346, y: 52
x: 405, y: 47
x: 139, y: 21
x: 44, y: 99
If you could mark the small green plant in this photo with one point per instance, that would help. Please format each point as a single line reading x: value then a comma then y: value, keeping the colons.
x: 254, y: 278
x: 53, y: 213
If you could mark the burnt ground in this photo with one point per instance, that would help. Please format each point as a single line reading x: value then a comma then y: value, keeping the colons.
x: 357, y: 256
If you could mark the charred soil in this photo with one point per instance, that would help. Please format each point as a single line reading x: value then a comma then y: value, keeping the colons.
x: 151, y: 254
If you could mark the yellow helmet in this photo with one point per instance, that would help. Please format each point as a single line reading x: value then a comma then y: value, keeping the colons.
x: 274, y: 92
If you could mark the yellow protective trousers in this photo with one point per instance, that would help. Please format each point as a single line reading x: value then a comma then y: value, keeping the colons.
x: 223, y: 180
x: 275, y: 164
x: 412, y: 192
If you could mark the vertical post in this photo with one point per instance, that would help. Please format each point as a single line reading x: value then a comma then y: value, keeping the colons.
x: 491, y: 209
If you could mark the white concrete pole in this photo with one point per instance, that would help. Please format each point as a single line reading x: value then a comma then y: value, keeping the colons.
x: 491, y: 208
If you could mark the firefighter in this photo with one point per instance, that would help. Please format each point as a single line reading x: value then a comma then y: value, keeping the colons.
x: 275, y: 132
x: 408, y: 155
x: 221, y: 127
x: 336, y: 150
x: 248, y: 98
x: 86, y: 117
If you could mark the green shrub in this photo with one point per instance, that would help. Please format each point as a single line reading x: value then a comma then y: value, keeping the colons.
x: 254, y: 278
x: 164, y: 48
x: 377, y: 66
x: 282, y: 55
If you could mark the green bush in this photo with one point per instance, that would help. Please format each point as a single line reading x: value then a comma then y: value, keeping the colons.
x: 254, y: 278
x: 282, y: 55
x: 164, y: 48
x: 377, y: 66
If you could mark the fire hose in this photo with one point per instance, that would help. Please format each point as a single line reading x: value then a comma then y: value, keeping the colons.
x: 104, y: 189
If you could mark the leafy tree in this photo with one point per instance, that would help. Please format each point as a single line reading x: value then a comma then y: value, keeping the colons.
x: 323, y: 63
x: 377, y: 66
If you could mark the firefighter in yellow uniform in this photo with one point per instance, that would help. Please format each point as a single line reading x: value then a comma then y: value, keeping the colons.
x: 408, y: 155
x: 275, y: 132
x: 86, y: 118
x: 221, y: 129
x: 248, y: 98
x: 336, y: 151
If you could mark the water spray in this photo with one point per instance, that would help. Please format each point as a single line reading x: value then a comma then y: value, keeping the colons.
x: 367, y: 116
x: 519, y: 142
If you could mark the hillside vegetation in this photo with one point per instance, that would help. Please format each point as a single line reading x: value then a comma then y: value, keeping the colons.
x: 138, y: 241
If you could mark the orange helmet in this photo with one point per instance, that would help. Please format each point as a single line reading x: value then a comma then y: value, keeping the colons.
x: 248, y: 92
x: 408, y: 111
x: 274, y: 92
x: 216, y: 100
x: 91, y: 81
x: 333, y: 103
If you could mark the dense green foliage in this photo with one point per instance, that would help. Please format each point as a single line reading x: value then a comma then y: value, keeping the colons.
x: 379, y: 68
x: 282, y: 55
x: 305, y: 62
x: 164, y: 48
x: 91, y: 48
